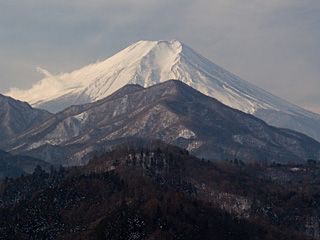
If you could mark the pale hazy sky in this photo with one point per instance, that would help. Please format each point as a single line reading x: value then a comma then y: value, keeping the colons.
x: 274, y: 44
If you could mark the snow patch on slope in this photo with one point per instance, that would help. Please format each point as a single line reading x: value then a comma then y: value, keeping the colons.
x: 186, y: 134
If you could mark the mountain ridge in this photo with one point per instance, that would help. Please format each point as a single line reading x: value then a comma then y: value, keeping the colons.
x: 170, y: 111
x: 150, y: 62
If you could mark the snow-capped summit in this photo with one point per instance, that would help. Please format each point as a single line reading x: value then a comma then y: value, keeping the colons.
x: 144, y: 63
x: 150, y: 62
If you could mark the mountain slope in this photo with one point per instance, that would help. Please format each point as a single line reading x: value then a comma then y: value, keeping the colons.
x: 16, y: 117
x: 170, y: 111
x: 149, y: 62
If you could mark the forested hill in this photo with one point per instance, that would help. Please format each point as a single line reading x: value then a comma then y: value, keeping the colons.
x: 15, y: 165
x: 157, y: 191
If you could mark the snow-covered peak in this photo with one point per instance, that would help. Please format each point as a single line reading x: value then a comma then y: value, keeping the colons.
x: 147, y: 63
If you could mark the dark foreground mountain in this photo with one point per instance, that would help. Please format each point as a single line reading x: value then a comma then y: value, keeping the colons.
x: 172, y: 112
x: 15, y: 165
x: 154, y: 191
x: 17, y: 116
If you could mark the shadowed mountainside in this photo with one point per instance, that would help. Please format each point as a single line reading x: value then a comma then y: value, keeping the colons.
x: 172, y: 112
x: 17, y: 116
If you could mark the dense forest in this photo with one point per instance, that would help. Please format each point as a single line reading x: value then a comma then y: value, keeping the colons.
x: 158, y: 191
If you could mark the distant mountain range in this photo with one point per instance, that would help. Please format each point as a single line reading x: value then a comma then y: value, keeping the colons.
x: 150, y: 62
x: 172, y: 112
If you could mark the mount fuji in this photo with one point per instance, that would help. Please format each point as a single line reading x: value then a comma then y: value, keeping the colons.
x: 150, y: 62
